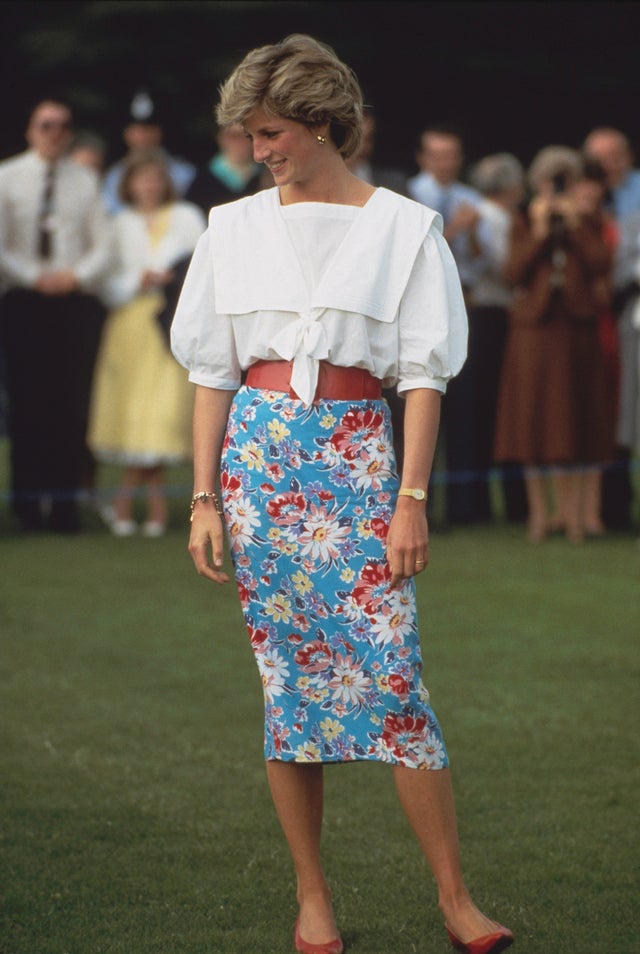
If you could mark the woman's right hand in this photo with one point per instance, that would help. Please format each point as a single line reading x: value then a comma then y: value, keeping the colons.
x: 207, y: 537
x: 540, y: 210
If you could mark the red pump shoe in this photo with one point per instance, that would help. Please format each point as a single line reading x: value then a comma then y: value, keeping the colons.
x: 500, y: 940
x: 304, y: 947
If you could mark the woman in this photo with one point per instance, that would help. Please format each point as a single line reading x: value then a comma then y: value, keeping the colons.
x: 323, y: 287
x: 553, y: 404
x: 141, y: 402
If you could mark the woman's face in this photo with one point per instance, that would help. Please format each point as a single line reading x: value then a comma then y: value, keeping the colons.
x: 289, y: 150
x: 148, y: 187
x: 234, y: 145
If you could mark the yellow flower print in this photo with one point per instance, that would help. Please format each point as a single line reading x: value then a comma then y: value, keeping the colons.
x: 279, y: 607
x: 364, y: 528
x: 331, y: 728
x: 302, y: 682
x: 278, y: 431
x: 424, y: 695
x: 302, y: 582
x: 314, y: 694
x: 252, y: 455
x: 274, y: 533
x: 288, y: 548
x: 347, y: 575
x: 309, y: 752
x: 382, y: 682
x: 327, y: 422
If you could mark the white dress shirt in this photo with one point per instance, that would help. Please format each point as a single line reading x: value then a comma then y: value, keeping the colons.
x: 373, y: 287
x: 80, y: 228
x: 447, y: 200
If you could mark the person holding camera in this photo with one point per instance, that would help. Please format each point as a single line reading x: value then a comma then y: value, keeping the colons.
x: 552, y: 410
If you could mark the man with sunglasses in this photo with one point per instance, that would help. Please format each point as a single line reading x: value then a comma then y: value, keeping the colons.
x: 54, y: 249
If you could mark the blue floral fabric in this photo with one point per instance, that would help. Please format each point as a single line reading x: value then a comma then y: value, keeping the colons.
x: 308, y: 496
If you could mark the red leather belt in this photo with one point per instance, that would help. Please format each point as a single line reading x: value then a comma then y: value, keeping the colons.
x: 334, y: 382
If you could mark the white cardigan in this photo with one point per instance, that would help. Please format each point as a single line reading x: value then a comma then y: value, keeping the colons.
x: 133, y: 253
x: 389, y: 301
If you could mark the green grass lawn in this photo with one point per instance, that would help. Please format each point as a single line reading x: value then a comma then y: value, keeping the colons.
x: 135, y: 812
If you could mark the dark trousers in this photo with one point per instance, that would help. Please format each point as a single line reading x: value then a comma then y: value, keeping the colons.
x: 457, y: 437
x: 468, y: 424
x: 50, y: 345
x: 488, y: 326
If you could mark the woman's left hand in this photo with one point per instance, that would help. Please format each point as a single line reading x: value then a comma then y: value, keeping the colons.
x: 407, y: 540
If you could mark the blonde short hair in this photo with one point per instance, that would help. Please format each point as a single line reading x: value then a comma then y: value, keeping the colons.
x: 141, y: 160
x: 298, y: 79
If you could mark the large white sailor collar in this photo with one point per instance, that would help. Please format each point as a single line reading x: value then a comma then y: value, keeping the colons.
x: 256, y: 268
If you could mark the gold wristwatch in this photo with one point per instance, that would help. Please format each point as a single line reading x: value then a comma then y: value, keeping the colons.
x: 416, y: 492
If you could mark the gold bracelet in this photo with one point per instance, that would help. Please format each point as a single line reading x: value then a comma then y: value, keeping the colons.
x: 206, y: 495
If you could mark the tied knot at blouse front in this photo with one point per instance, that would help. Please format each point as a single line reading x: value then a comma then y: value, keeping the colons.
x: 373, y: 287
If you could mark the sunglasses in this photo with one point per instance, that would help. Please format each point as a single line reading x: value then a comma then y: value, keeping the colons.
x: 49, y: 125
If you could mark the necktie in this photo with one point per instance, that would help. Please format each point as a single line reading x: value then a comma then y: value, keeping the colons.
x: 45, y: 224
x: 444, y: 205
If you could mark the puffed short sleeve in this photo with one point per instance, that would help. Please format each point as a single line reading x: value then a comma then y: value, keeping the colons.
x: 432, y: 319
x: 201, y: 339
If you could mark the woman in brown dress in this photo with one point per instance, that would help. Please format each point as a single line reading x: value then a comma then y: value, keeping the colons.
x: 552, y: 409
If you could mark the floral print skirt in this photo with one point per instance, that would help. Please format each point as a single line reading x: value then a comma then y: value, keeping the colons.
x: 308, y: 494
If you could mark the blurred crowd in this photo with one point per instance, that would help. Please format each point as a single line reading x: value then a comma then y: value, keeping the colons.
x: 541, y: 426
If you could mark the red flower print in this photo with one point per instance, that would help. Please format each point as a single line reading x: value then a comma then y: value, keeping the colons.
x: 401, y: 731
x: 314, y: 657
x: 398, y: 685
x: 274, y: 472
x: 380, y: 528
x: 230, y: 483
x: 259, y: 640
x: 301, y: 621
x: 286, y: 509
x: 372, y: 586
x: 354, y: 428
x: 267, y: 488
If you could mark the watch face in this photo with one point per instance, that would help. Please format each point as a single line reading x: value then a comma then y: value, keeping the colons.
x: 416, y: 492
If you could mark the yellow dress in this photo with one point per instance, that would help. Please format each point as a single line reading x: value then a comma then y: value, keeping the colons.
x: 142, y: 401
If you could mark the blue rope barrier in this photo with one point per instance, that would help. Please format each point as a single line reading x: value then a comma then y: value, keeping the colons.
x: 438, y: 478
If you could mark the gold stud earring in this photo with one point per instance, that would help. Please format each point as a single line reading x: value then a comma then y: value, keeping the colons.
x: 321, y: 140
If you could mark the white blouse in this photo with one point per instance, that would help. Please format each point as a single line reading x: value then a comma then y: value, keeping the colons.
x: 135, y: 253
x: 373, y: 287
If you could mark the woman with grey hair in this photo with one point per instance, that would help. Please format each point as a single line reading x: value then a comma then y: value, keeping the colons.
x: 499, y: 175
x: 553, y: 409
x: 320, y: 289
x: 500, y: 180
